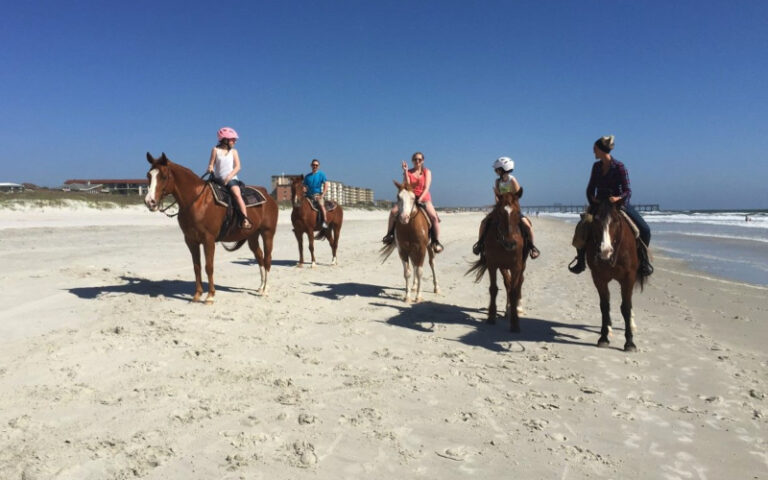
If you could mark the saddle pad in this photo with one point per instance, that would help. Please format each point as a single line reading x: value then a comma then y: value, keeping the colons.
x: 631, y: 223
x: 251, y: 196
x: 330, y: 205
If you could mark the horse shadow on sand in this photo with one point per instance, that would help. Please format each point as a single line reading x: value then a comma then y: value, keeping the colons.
x: 425, y: 316
x: 179, y: 289
x: 337, y: 291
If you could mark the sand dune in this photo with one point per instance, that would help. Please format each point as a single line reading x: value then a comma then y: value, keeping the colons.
x: 107, y: 370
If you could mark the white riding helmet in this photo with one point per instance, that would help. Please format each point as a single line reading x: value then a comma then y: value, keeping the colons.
x: 504, y: 163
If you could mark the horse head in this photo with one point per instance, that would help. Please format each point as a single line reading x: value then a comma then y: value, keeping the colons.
x: 297, y: 189
x: 605, y: 226
x: 160, y: 181
x: 406, y: 201
x: 507, y: 213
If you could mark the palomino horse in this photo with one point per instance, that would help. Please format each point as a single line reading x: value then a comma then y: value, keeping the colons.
x: 200, y: 219
x: 304, y: 219
x: 504, y: 250
x: 612, y: 255
x: 412, y: 239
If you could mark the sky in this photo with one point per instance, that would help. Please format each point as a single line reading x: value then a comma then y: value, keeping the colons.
x: 88, y: 87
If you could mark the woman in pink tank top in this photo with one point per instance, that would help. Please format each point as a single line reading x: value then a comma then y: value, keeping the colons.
x: 420, y: 178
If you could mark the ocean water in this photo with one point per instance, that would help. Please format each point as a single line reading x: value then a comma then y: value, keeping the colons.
x: 720, y: 243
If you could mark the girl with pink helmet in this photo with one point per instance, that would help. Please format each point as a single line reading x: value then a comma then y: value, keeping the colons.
x: 225, y: 164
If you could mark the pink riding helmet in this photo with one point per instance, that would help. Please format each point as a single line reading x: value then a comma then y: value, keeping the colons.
x: 227, y: 132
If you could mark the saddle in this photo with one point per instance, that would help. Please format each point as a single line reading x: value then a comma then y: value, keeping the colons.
x: 330, y: 206
x: 222, y: 196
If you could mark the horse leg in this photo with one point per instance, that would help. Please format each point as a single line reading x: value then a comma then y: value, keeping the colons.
x: 311, y: 239
x: 268, y: 237
x: 605, y: 310
x: 300, y: 240
x: 209, y: 248
x: 493, y: 290
x: 334, y: 241
x: 253, y: 243
x: 628, y: 314
x: 194, y: 249
x: 432, y: 266
x: 512, y: 284
x: 419, y: 272
x: 407, y: 275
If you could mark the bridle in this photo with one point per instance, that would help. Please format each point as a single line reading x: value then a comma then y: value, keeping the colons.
x: 164, y: 194
x: 616, y: 241
x: 501, y: 236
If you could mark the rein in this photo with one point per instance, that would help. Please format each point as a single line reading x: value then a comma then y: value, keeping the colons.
x: 169, y: 215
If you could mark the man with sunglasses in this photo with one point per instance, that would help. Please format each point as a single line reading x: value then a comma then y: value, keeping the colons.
x: 315, y: 187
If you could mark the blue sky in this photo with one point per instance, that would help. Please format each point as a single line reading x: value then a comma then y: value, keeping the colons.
x: 89, y: 87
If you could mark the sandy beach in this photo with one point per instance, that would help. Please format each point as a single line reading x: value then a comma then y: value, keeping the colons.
x: 108, y: 371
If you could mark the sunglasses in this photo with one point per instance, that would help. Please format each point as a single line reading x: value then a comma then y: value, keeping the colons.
x: 418, y: 159
x: 315, y: 164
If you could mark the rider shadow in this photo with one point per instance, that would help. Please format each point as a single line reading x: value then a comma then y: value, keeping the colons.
x: 337, y: 291
x: 532, y: 330
x: 179, y: 289
x: 496, y: 337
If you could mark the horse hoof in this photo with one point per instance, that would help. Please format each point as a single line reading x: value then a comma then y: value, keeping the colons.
x: 602, y: 343
x: 437, y: 291
x: 630, y: 347
x: 209, y: 301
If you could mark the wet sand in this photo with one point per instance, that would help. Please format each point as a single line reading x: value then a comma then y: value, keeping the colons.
x: 107, y: 370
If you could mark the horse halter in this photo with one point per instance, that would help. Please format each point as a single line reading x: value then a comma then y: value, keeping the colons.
x: 607, y: 215
x: 501, y: 236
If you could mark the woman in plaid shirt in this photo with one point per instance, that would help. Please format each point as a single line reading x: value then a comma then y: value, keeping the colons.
x: 609, y: 180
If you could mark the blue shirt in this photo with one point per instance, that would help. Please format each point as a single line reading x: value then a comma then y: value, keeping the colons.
x: 314, y: 183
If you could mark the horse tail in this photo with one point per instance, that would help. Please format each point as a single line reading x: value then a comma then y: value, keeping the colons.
x: 386, y: 251
x: 478, y: 268
x: 234, y: 247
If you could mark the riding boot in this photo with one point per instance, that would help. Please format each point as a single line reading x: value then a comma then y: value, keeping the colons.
x: 479, y: 246
x: 389, y: 237
x: 581, y: 261
x: 645, y: 268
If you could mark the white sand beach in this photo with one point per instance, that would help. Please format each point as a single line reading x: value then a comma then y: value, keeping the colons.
x: 108, y: 371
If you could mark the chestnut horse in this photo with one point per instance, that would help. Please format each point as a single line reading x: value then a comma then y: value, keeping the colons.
x: 412, y: 241
x: 612, y: 255
x: 200, y: 219
x: 304, y: 219
x: 504, y: 250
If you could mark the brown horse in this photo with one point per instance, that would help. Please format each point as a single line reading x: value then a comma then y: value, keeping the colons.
x: 304, y: 219
x: 504, y: 250
x: 201, y: 218
x: 612, y: 255
x: 412, y: 240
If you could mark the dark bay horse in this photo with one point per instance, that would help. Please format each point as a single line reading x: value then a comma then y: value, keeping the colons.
x: 412, y: 241
x: 304, y: 219
x: 201, y: 218
x: 612, y: 255
x: 504, y: 250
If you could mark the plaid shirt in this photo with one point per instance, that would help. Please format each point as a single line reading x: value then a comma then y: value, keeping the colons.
x: 615, y: 183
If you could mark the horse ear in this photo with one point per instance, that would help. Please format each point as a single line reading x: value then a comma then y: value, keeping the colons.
x: 150, y: 159
x: 520, y: 193
x: 163, y: 160
x: 398, y: 185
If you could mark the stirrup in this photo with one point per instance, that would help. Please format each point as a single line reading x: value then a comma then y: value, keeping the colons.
x: 477, y: 248
x: 437, y: 246
x: 246, y: 224
x: 578, y: 267
x: 534, y: 253
x: 645, y: 269
x: 388, y: 239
